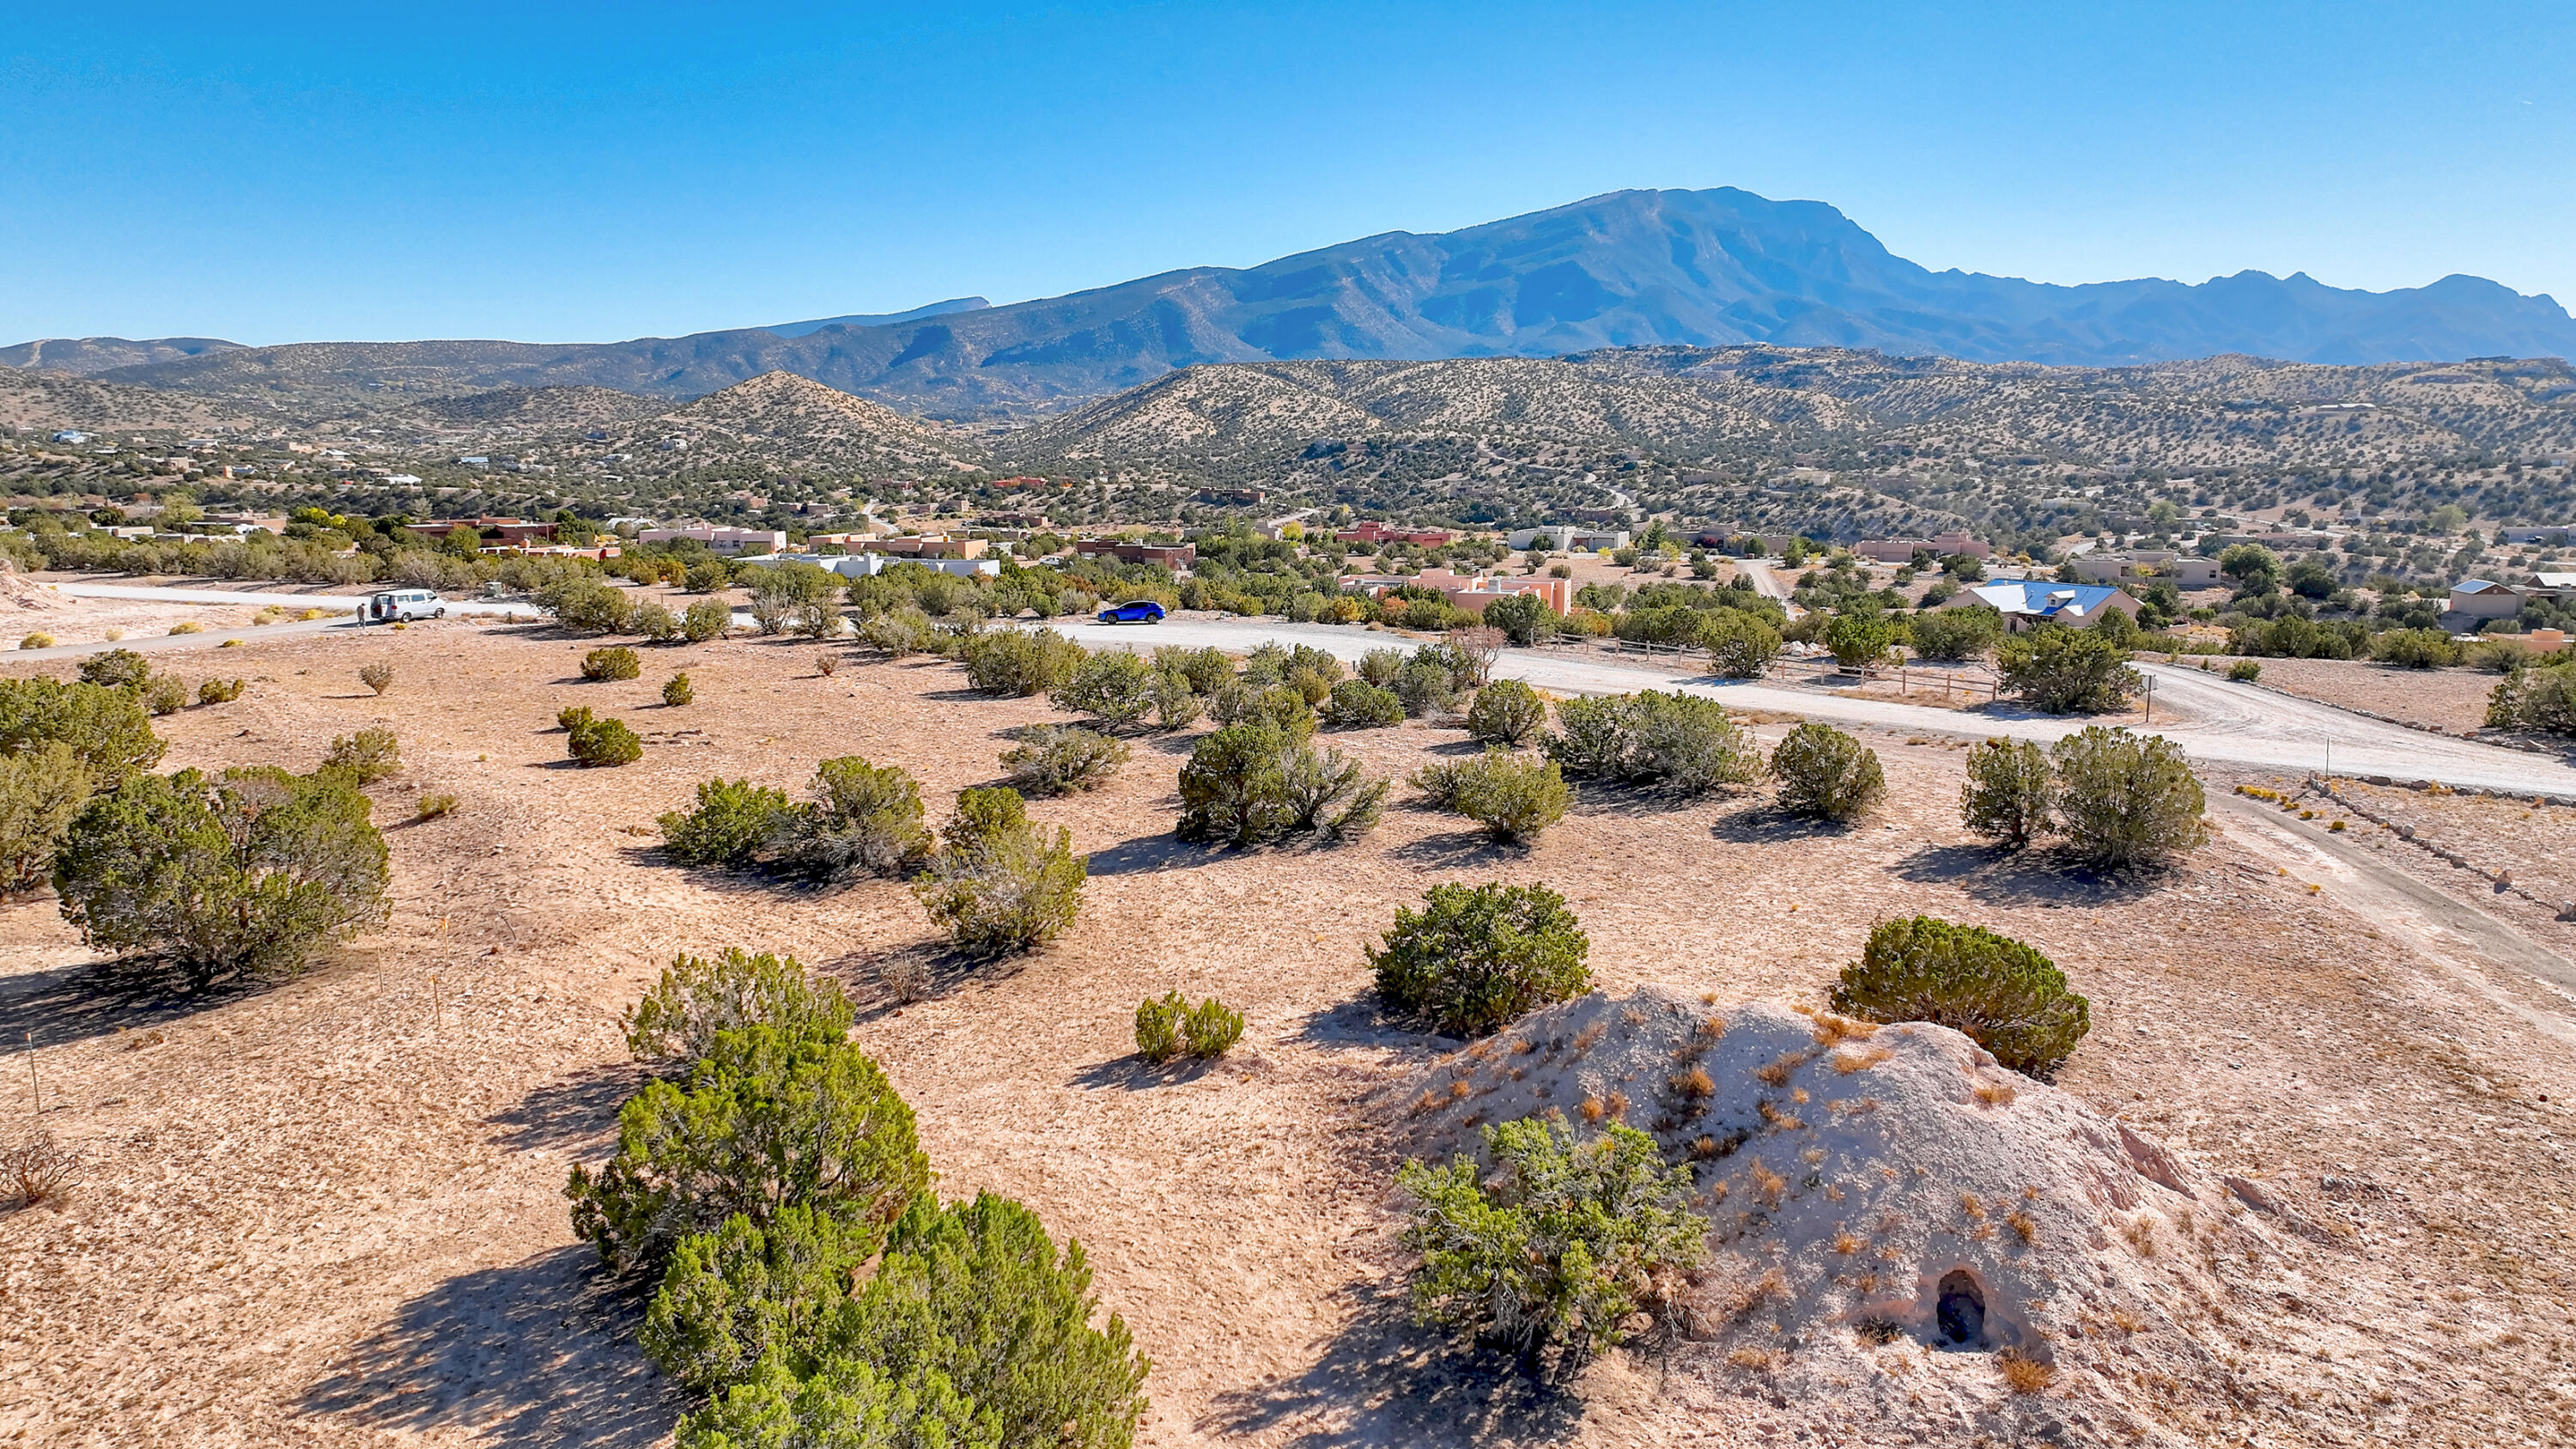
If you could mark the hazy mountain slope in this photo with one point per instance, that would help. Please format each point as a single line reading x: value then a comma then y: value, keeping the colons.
x: 44, y: 401
x: 1633, y: 268
x: 84, y: 355
x: 878, y: 319
x: 780, y: 420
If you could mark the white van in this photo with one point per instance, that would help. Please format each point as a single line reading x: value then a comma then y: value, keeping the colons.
x: 387, y: 607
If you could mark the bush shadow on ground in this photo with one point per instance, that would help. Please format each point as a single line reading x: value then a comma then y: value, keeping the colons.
x: 99, y: 998
x: 540, y: 1352
x: 1992, y: 876
x: 1145, y: 854
x: 1364, y: 1022
x: 938, y: 969
x: 1132, y: 1073
x: 1763, y: 824
x: 1382, y: 1380
x: 1459, y: 849
x: 575, y: 1110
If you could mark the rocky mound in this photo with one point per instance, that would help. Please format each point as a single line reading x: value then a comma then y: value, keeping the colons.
x: 17, y: 591
x: 1895, y: 1221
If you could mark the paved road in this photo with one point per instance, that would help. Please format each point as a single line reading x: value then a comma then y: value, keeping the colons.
x: 2228, y: 724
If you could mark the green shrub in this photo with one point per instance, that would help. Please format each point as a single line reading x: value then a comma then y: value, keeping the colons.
x: 41, y: 790
x: 1826, y: 774
x: 1170, y: 1027
x: 1381, y: 666
x: 708, y: 575
x: 588, y: 605
x: 365, y: 757
x: 1021, y: 661
x: 1053, y: 761
x: 2057, y: 670
x: 617, y: 662
x: 573, y: 718
x: 1477, y: 958
x: 677, y: 691
x: 2415, y: 649
x: 974, y: 1333
x: 1176, y: 707
x: 1999, y: 992
x: 1576, y: 1239
x: 1506, y: 712
x: 434, y: 806
x: 2125, y: 799
x: 699, y: 996
x: 1515, y: 799
x: 770, y: 1118
x: 734, y: 822
x: 1954, y: 636
x: 862, y: 818
x: 1206, y: 670
x: 1740, y: 645
x: 751, y: 1293
x: 1252, y: 782
x: 1858, y: 640
x: 246, y: 874
x: 1678, y: 740
x: 43, y: 640
x: 1112, y: 686
x: 165, y: 694
x: 2245, y: 671
x: 2498, y: 656
x: 2010, y: 792
x: 705, y: 619
x: 1358, y: 704
x: 1278, y: 707
x: 1313, y: 685
x: 605, y: 742
x: 997, y: 885
x: 1158, y: 1027
x: 106, y: 728
x: 219, y: 691
x: 655, y: 622
x: 117, y: 669
x: 1525, y: 619
x: 1426, y: 688
x: 2542, y: 699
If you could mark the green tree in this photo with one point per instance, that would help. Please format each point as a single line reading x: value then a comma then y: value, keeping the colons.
x: 1576, y: 1238
x: 117, y: 669
x: 2125, y: 799
x: 733, y: 823
x: 2256, y: 569
x: 1358, y: 704
x: 860, y: 818
x: 1506, y: 712
x: 617, y: 662
x: 1053, y: 761
x: 2415, y: 649
x: 705, y: 619
x: 1021, y: 661
x: 1476, y: 958
x: 1525, y: 619
x: 106, y: 729
x: 1859, y: 639
x: 365, y: 757
x: 1826, y: 774
x: 246, y: 874
x: 1740, y: 645
x: 2001, y: 993
x: 605, y: 742
x: 1952, y: 636
x: 2010, y: 793
x: 2057, y: 670
x: 1515, y: 799
x: 770, y: 1119
x: 588, y: 604
x: 2541, y: 699
x: 750, y: 1294
x: 700, y: 996
x: 41, y: 790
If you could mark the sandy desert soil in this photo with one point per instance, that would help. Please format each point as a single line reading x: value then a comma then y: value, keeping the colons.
x: 2447, y: 699
x: 30, y: 605
x: 329, y: 1213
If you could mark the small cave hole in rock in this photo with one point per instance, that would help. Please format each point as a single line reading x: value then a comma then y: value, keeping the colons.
x: 1962, y: 1309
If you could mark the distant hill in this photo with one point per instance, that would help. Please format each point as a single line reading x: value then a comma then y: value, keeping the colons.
x: 780, y: 420
x: 1633, y: 268
x: 98, y: 354
x: 43, y: 401
x: 881, y: 319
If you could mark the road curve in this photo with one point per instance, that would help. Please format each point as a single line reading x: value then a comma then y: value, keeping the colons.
x: 2227, y: 724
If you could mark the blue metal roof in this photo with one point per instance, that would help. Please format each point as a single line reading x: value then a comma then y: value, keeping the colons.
x: 2045, y: 597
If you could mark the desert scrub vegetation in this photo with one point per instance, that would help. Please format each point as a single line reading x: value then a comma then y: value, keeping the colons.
x: 377, y: 677
x: 1168, y: 1027
x: 1475, y: 959
x: 1020, y: 662
x: 612, y: 663
x: 220, y: 691
x: 1112, y: 686
x: 2125, y: 799
x: 41, y: 790
x: 1677, y: 741
x: 705, y: 619
x: 2541, y: 698
x: 244, y: 874
x: 677, y: 691
x: 1506, y: 712
x: 365, y: 757
x: 857, y: 819
x: 586, y: 604
x: 116, y: 669
x: 1514, y: 798
x: 2057, y: 670
x: 700, y: 996
x: 1558, y: 1251
x: 1999, y: 992
x: 106, y: 729
x: 1052, y: 760
x: 603, y: 742
x: 997, y: 884
x: 1955, y: 636
x: 2010, y: 794
x: 1356, y: 704
x: 1826, y: 774
x: 1740, y: 645
x: 1248, y: 783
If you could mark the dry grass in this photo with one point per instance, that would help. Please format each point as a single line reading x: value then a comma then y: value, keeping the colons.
x: 1848, y: 1242
x: 2024, y: 1225
x: 38, y: 1170
x: 1832, y: 1030
x: 1777, y: 1072
x: 1695, y: 1085
x: 2023, y: 1374
x: 1770, y: 1185
x: 1996, y: 1093
x: 1848, y: 1061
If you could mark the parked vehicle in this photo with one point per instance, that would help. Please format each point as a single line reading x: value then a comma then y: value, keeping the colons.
x: 1139, y: 611
x: 394, y: 604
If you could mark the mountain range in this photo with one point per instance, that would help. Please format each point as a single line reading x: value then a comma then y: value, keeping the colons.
x: 1632, y: 268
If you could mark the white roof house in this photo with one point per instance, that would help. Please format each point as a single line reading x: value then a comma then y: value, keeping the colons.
x: 2024, y: 602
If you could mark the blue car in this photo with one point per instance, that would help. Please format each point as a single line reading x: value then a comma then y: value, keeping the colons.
x: 1141, y: 611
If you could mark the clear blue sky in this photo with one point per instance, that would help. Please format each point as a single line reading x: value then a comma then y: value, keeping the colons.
x: 275, y: 173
